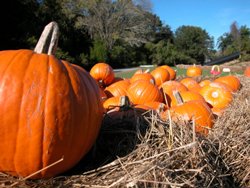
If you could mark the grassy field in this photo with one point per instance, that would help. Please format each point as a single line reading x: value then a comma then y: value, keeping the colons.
x: 180, y: 72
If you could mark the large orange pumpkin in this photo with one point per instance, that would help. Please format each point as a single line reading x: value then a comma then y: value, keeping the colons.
x: 194, y: 71
x: 50, y: 110
x: 103, y: 73
x: 142, y: 91
x: 160, y: 75
x: 232, y: 81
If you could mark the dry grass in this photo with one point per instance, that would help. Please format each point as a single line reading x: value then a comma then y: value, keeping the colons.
x: 231, y: 135
x: 143, y: 151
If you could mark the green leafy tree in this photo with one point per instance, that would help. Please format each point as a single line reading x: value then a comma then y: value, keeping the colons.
x: 236, y: 40
x: 98, y: 52
x: 193, y: 42
x: 72, y: 41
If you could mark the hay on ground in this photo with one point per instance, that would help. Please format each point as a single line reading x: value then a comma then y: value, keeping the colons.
x: 144, y: 151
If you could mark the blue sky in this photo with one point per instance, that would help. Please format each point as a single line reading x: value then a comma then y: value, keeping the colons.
x: 215, y: 16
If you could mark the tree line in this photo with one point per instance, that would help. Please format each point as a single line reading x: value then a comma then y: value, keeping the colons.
x: 124, y: 33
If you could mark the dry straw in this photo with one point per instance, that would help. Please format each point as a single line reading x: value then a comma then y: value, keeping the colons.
x: 144, y: 151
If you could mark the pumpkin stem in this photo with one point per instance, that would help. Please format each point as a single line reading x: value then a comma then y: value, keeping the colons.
x: 178, y: 97
x: 48, y: 40
x: 125, y: 103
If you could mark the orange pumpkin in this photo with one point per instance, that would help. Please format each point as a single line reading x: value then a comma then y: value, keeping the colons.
x: 196, y: 110
x: 194, y: 71
x: 191, y: 84
x: 142, y: 91
x: 103, y: 73
x: 204, y: 83
x: 160, y: 75
x: 144, y: 76
x: 217, y: 94
x: 141, y: 71
x: 50, y: 110
x: 111, y: 103
x: 247, y: 71
x: 188, y: 96
x: 168, y: 88
x: 171, y: 71
x: 117, y: 89
x: 232, y: 81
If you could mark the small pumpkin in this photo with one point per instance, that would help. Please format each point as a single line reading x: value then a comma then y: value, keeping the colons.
x: 194, y: 71
x: 188, y: 96
x: 194, y: 110
x: 103, y: 73
x: 171, y: 71
x: 111, y: 103
x: 204, y: 82
x: 217, y: 94
x: 142, y: 91
x: 168, y: 88
x: 232, y: 81
x: 191, y: 84
x: 51, y: 110
x: 160, y: 75
x: 117, y: 89
x: 144, y: 76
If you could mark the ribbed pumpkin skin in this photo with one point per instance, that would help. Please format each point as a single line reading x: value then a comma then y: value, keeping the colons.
x: 170, y: 86
x: 160, y: 75
x: 49, y: 109
x: 103, y: 73
x: 204, y: 83
x: 232, y: 81
x: 111, y: 103
x: 143, y: 91
x: 217, y: 94
x: 117, y: 89
x: 144, y: 76
x: 191, y: 84
x: 194, y: 71
x: 202, y: 114
x: 172, y: 73
x: 188, y: 96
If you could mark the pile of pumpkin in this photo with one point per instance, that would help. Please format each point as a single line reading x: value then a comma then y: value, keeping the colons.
x: 51, y: 110
x: 181, y: 101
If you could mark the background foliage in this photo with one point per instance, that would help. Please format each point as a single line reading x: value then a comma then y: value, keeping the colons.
x: 124, y: 33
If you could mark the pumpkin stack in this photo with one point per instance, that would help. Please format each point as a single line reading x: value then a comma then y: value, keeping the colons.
x: 50, y: 112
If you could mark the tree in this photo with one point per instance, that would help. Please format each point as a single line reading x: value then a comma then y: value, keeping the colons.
x: 236, y: 40
x: 111, y: 20
x: 193, y: 42
x: 73, y: 42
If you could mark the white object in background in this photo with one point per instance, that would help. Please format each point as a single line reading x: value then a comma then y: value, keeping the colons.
x: 226, y: 70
